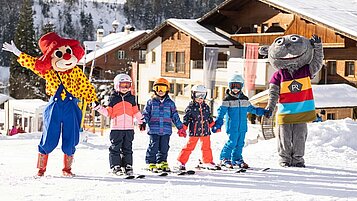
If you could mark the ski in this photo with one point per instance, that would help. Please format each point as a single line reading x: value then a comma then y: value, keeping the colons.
x: 156, y: 172
x: 184, y: 172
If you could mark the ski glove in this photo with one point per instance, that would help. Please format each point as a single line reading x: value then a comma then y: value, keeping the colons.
x: 215, y: 129
x: 11, y: 48
x: 268, y: 113
x: 182, y: 132
x: 95, y: 105
x: 142, y: 126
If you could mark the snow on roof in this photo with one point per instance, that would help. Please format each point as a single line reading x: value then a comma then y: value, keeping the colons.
x: 4, y: 98
x: 30, y: 105
x: 340, y: 15
x: 199, y: 32
x: 327, y: 96
x: 109, y: 43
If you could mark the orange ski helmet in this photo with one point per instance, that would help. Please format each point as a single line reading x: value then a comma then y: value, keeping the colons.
x: 161, y: 82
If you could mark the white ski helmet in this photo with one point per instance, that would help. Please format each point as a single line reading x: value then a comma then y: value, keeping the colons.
x: 237, y: 80
x: 198, y: 91
x: 121, y: 78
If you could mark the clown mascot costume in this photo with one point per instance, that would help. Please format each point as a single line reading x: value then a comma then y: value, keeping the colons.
x: 66, y: 84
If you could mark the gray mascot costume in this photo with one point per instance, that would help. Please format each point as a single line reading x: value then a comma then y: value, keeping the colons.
x: 297, y: 60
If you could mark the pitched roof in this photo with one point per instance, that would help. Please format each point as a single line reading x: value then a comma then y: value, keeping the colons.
x: 189, y: 26
x: 326, y: 96
x: 338, y: 15
x: 109, y: 43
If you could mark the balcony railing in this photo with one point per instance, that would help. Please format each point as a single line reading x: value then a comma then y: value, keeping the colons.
x: 198, y: 64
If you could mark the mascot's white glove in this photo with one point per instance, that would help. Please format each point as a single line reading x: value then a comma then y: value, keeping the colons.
x: 11, y: 48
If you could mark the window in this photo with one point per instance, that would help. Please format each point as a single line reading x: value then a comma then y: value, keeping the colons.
x: 151, y: 84
x: 172, y: 88
x: 121, y: 54
x: 331, y: 68
x: 349, y: 68
x: 224, y: 92
x: 215, y: 92
x: 142, y: 55
x: 170, y: 65
x: 264, y: 28
x: 330, y: 116
x: 153, y: 57
x: 180, y: 62
x: 179, y: 89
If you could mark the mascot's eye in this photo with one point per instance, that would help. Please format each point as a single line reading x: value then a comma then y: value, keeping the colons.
x: 58, y: 54
x: 279, y: 41
x: 294, y: 38
x: 69, y: 51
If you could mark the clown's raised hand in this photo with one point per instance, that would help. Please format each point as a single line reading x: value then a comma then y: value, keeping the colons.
x: 11, y: 48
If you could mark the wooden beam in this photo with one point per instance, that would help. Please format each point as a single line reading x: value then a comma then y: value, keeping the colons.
x: 228, y: 13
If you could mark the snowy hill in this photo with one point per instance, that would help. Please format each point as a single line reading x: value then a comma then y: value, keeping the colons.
x: 331, y: 172
x: 104, y: 12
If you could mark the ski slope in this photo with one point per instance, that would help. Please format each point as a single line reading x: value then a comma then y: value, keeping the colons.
x: 331, y: 172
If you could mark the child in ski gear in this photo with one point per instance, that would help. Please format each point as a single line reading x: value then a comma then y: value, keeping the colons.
x: 297, y: 60
x: 236, y: 105
x: 199, y: 120
x: 66, y: 84
x: 122, y: 109
x: 159, y: 113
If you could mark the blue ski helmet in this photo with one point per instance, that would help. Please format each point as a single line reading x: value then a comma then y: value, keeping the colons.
x: 235, y: 81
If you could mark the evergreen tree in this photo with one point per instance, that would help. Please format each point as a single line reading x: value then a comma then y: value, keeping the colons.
x: 88, y: 31
x: 48, y: 27
x: 68, y: 28
x: 8, y: 24
x: 23, y: 82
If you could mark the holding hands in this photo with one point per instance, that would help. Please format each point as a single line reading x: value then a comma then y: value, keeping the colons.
x: 182, y: 132
x: 216, y: 128
x: 142, y: 126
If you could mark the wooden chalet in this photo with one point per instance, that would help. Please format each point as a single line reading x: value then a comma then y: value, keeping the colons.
x: 261, y: 21
x: 175, y: 50
x: 113, y: 55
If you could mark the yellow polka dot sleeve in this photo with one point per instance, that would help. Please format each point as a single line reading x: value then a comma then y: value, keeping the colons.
x: 85, y: 88
x: 28, y: 62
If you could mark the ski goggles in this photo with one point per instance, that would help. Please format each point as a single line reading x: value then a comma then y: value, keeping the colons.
x: 201, y: 95
x: 162, y: 88
x: 235, y: 85
x: 126, y: 85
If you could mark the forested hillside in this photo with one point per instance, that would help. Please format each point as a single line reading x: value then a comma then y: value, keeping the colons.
x: 25, y: 21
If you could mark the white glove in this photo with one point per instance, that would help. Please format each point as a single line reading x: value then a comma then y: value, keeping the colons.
x: 11, y: 48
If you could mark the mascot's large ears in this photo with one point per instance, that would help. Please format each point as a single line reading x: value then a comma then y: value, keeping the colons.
x: 263, y: 50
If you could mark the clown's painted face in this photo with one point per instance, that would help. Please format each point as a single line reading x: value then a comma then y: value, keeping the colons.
x: 63, y: 59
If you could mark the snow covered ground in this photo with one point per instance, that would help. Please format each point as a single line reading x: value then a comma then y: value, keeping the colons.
x: 331, y: 172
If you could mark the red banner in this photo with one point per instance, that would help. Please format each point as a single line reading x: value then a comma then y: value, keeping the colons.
x: 250, y: 65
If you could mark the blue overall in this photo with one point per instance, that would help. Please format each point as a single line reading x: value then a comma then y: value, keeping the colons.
x: 61, y: 116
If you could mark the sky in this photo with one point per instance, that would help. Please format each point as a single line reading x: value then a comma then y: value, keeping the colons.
x: 331, y: 172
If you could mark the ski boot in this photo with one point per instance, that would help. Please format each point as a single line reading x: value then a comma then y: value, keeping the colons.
x: 42, y: 164
x: 227, y: 163
x: 240, y: 164
x: 211, y: 166
x: 164, y: 166
x: 152, y: 167
x: 67, y: 161
x: 301, y: 165
x: 284, y: 164
x: 117, y: 170
x: 180, y: 166
x: 128, y: 170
